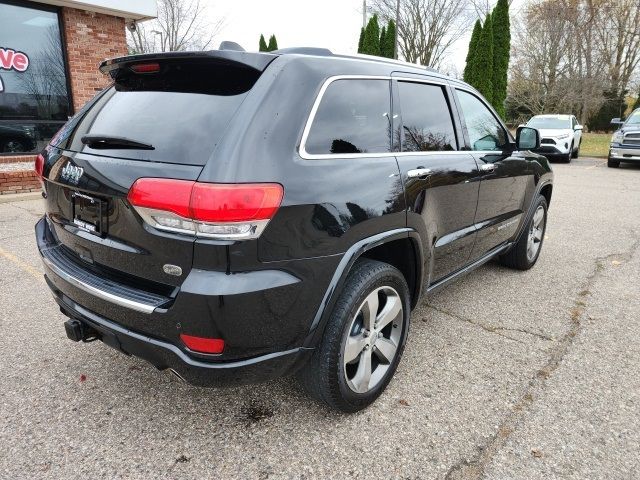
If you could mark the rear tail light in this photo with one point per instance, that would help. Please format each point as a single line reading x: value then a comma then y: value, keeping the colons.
x: 203, y: 344
x: 39, y: 168
x: 213, y: 210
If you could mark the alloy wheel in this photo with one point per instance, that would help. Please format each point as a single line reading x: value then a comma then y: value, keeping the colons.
x: 536, y: 232
x: 373, y: 340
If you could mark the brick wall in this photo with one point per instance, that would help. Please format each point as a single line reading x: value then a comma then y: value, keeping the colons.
x: 91, y: 38
x: 19, y: 182
x: 17, y: 159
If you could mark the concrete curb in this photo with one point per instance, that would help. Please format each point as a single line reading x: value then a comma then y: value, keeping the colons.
x: 20, y: 197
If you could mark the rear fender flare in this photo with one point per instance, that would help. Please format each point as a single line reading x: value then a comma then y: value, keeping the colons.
x: 321, y: 316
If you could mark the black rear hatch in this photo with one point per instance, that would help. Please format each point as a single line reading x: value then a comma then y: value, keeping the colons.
x: 163, y: 118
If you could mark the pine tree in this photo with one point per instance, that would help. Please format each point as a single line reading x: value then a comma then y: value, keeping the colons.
x: 471, y: 54
x: 482, y: 73
x: 387, y: 48
x: 273, y: 44
x: 262, y: 45
x: 501, y: 49
x: 637, y: 104
x: 383, y: 32
x: 361, y: 40
x: 371, y: 42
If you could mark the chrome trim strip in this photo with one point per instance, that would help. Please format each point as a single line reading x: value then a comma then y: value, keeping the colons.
x: 109, y: 297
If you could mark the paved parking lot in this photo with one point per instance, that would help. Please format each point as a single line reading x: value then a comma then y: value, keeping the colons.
x: 506, y: 375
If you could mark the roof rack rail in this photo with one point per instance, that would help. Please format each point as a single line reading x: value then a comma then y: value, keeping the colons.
x: 322, y: 52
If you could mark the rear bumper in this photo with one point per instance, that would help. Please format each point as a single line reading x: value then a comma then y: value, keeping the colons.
x: 164, y: 355
x: 260, y: 345
x: 624, y: 153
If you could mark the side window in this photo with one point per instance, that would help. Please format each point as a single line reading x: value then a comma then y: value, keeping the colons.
x: 485, y: 132
x: 353, y: 117
x: 426, y: 118
x: 574, y: 122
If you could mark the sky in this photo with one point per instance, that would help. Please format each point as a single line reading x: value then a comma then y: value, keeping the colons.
x: 333, y: 24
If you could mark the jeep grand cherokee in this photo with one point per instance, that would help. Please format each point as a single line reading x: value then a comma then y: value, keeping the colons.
x: 235, y: 217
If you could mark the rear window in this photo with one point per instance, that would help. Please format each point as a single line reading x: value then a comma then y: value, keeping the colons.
x: 182, y: 111
x: 353, y: 117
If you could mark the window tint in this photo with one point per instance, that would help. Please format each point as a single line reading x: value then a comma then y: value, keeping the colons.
x: 426, y: 118
x: 485, y: 132
x: 353, y: 117
x: 182, y: 112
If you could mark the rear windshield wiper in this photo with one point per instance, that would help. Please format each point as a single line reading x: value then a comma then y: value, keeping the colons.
x: 108, y: 141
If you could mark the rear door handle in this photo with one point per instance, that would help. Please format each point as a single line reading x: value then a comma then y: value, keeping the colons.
x: 488, y: 167
x: 421, y: 173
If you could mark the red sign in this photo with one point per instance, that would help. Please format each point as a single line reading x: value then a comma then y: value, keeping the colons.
x: 10, y: 59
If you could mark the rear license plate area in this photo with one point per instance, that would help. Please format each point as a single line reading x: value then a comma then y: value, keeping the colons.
x: 89, y: 213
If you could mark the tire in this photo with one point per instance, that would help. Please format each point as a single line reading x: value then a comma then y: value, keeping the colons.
x: 519, y: 257
x: 612, y: 163
x: 327, y: 376
x: 567, y: 158
x: 577, y: 152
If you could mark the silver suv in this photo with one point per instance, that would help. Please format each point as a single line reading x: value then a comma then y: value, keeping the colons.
x: 625, y: 143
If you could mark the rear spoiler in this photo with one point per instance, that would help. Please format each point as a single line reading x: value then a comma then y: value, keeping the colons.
x: 256, y: 61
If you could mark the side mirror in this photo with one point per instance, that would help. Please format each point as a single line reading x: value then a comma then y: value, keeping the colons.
x: 616, y: 121
x: 578, y: 127
x: 527, y: 138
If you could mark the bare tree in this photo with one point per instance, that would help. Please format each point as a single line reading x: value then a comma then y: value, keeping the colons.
x: 427, y: 29
x: 618, y: 35
x: 574, y: 55
x: 181, y: 25
x: 45, y: 81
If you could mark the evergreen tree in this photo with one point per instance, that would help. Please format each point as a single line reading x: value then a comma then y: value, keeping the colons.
x: 613, y: 106
x: 382, y: 40
x: 273, y: 44
x: 482, y: 74
x: 471, y: 54
x: 637, y: 104
x: 361, y: 40
x: 501, y: 49
x: 262, y: 45
x: 371, y: 42
x: 387, y: 46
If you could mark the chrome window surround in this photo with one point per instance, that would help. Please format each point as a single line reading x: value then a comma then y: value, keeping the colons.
x: 329, y: 156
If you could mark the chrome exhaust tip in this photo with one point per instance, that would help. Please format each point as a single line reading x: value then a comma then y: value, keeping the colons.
x: 171, y: 370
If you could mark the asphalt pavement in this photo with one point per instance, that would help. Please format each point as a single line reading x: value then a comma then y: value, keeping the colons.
x: 506, y: 375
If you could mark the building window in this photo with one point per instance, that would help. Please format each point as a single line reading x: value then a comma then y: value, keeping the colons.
x: 34, y: 97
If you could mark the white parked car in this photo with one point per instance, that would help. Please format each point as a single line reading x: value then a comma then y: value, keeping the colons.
x: 560, y: 136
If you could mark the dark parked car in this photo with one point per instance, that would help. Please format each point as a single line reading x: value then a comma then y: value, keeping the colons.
x: 235, y: 217
x: 16, y: 139
x: 625, y: 142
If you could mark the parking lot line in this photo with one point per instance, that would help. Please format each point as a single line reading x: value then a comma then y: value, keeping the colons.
x: 23, y: 265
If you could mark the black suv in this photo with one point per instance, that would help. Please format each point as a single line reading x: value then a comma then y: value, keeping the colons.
x: 235, y: 217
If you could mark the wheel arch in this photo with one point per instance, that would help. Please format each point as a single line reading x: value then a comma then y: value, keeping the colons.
x: 546, y: 192
x: 387, y: 247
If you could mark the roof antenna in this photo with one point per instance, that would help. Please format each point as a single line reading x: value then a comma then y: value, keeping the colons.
x: 227, y: 45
